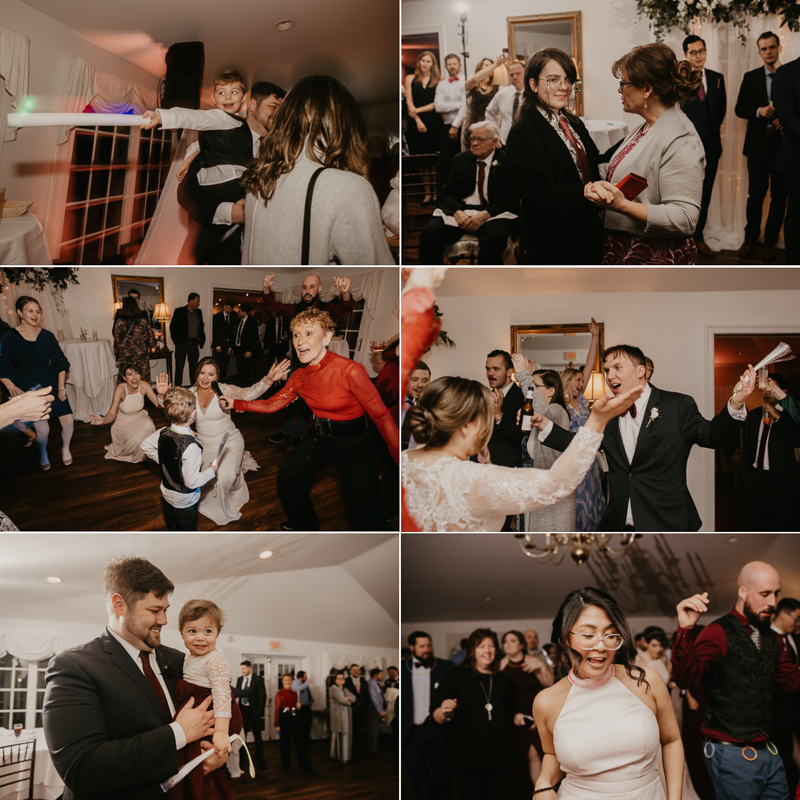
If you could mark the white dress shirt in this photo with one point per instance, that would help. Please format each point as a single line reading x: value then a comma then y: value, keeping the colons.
x: 501, y: 110
x: 450, y: 101
x: 421, y: 689
x: 474, y: 199
x: 761, y: 432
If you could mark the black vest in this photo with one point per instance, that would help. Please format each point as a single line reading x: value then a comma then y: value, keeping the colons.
x: 171, y: 447
x: 231, y: 146
x: 300, y: 307
x: 739, y: 688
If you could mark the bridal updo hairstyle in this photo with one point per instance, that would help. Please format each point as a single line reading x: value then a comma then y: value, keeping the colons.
x: 446, y: 405
x: 571, y: 609
x: 655, y: 64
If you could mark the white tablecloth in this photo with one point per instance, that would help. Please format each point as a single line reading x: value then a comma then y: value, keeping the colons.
x: 605, y: 132
x: 47, y: 784
x: 22, y: 241
x: 92, y: 377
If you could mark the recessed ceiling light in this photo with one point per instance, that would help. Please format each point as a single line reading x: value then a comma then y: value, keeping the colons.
x: 265, y: 554
x: 284, y: 25
x: 487, y: 599
x: 53, y: 579
x: 733, y: 539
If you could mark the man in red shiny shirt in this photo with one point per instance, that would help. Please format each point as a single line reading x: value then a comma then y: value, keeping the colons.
x: 737, y: 658
x: 338, y: 391
x: 287, y: 724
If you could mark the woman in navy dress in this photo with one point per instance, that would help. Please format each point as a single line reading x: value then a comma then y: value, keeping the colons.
x: 31, y: 355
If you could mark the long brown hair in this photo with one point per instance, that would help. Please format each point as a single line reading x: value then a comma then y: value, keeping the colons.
x: 436, y: 75
x: 536, y: 63
x: 320, y: 116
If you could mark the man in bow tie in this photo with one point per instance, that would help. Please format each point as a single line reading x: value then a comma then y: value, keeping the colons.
x: 478, y: 198
x: 648, y: 446
x: 450, y: 101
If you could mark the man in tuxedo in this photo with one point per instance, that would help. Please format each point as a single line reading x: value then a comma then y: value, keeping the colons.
x: 109, y: 704
x: 707, y: 113
x: 771, y: 473
x: 480, y: 183
x: 423, y: 742
x: 251, y: 694
x: 786, y: 96
x: 244, y: 343
x: 761, y: 145
x: 647, y: 447
x: 188, y: 332
x: 418, y: 379
x: 358, y: 686
x: 786, y: 705
x: 223, y: 333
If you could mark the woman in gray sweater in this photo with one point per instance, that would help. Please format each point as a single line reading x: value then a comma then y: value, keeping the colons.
x: 656, y: 227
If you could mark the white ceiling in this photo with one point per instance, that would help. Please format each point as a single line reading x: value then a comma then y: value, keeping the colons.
x: 482, y: 282
x: 447, y: 577
x: 317, y: 587
x: 356, y: 41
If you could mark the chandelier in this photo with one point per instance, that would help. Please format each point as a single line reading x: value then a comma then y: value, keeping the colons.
x: 579, y: 545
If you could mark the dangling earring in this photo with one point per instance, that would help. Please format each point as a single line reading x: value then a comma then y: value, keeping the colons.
x: 466, y: 437
x: 645, y: 103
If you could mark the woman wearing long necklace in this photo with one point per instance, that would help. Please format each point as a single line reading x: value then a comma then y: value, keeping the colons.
x: 478, y: 703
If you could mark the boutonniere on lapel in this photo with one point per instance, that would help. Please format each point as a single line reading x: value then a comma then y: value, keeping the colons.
x: 653, y: 416
x: 168, y: 671
x: 495, y: 163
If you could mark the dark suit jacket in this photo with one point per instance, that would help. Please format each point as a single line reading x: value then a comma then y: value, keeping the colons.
x: 501, y: 195
x: 558, y: 225
x: 222, y: 335
x: 752, y: 96
x: 179, y: 326
x: 786, y: 97
x: 505, y: 446
x: 108, y: 735
x: 655, y: 481
x: 249, y: 334
x: 715, y: 105
x: 256, y: 694
x: 276, y: 338
x: 362, y: 697
x: 784, y: 471
x: 440, y: 667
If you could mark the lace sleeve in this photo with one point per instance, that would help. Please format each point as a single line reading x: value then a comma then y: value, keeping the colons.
x: 218, y: 676
x: 501, y: 490
x: 251, y: 393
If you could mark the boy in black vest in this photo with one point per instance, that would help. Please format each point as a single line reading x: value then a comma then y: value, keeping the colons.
x: 181, y: 459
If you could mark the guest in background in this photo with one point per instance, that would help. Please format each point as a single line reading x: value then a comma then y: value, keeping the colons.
x: 375, y: 710
x: 418, y: 379
x: 393, y: 681
x: 288, y: 728
x: 188, y: 332
x: 507, y: 399
x: 134, y: 293
x: 787, y: 109
x: 706, y: 111
x: 649, y: 368
x: 358, y: 687
x: 761, y: 145
x: 133, y: 339
x: 552, y: 157
x: 341, y: 711
x: 652, y: 657
x: 251, y: 694
x: 450, y: 102
x: 786, y: 705
x: 245, y: 340
x: 31, y: 357
x: 502, y: 110
x: 480, y: 91
x: 302, y: 687
x: 656, y: 227
x: 425, y: 133
x: 223, y: 333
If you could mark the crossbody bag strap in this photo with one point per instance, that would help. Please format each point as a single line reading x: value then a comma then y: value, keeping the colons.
x: 307, y: 216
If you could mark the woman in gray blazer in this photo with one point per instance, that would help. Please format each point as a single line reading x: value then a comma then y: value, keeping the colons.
x: 656, y: 227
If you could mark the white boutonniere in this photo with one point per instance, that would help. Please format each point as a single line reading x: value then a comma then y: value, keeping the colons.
x: 653, y: 415
x: 495, y: 163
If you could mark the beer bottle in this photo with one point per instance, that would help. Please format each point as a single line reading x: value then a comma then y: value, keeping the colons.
x: 526, y: 417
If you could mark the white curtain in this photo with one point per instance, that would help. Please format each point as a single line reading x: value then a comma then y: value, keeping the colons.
x: 55, y: 313
x: 367, y: 285
x: 14, y: 69
x: 32, y: 649
x: 337, y: 661
x: 726, y: 54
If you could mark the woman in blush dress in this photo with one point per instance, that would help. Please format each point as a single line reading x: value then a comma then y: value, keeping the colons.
x: 603, y: 725
x: 341, y: 709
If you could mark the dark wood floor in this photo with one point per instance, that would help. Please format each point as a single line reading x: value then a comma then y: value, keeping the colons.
x: 366, y: 778
x: 95, y: 494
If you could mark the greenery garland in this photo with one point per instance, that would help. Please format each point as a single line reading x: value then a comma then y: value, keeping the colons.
x: 666, y: 14
x: 39, y: 277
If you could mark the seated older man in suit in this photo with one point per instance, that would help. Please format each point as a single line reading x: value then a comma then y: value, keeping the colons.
x: 478, y: 198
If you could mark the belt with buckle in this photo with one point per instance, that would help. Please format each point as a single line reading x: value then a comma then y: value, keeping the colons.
x: 332, y: 427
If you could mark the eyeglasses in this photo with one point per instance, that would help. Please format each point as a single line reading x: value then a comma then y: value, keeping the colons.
x: 480, y: 139
x: 557, y: 83
x: 623, y: 84
x: 796, y: 619
x: 696, y: 52
x: 587, y: 641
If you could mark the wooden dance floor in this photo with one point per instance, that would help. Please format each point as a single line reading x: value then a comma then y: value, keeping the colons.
x: 95, y: 494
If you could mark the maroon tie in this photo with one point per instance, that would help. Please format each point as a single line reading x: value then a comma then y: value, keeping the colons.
x: 153, y: 681
x: 583, y: 159
x: 481, y: 178
x: 631, y: 410
x: 702, y: 93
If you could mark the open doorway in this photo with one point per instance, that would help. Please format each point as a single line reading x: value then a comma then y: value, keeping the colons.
x: 732, y: 353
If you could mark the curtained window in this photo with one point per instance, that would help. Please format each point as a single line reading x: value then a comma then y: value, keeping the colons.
x: 21, y: 691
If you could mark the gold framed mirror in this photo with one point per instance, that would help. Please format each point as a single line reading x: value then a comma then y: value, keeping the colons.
x: 555, y: 346
x: 151, y: 294
x: 530, y: 33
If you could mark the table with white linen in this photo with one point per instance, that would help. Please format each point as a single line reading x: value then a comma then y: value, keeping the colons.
x: 605, y: 132
x: 47, y: 785
x: 92, y: 377
x: 339, y: 346
x: 22, y: 241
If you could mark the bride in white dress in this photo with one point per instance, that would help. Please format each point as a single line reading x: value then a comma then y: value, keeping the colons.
x: 602, y: 726
x: 222, y: 499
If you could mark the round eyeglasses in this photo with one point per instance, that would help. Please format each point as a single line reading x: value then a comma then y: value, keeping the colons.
x: 588, y: 641
x: 557, y: 83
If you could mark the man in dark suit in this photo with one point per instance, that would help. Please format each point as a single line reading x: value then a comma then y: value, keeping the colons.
x: 786, y: 705
x: 134, y: 293
x: 251, y: 694
x: 423, y: 741
x: 223, y: 333
x: 188, y: 332
x: 786, y: 96
x: 707, y: 113
x: 244, y: 343
x: 357, y: 684
x: 761, y: 145
x: 480, y: 183
x: 647, y: 448
x: 771, y: 474
x: 109, y: 704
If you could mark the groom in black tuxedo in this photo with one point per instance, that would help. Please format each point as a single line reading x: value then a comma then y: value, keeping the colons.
x: 109, y: 704
x: 648, y: 446
x: 251, y: 693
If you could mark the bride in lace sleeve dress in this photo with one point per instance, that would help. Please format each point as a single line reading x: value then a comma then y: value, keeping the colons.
x: 222, y: 499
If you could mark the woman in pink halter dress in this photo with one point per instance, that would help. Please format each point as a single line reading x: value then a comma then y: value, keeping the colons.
x: 602, y: 726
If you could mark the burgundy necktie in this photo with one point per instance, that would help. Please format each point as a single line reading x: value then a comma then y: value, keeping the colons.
x: 583, y: 159
x: 481, y: 178
x: 702, y: 93
x: 762, y: 448
x: 153, y: 681
x: 631, y: 410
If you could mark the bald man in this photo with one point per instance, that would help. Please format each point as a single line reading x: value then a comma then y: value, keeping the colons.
x: 737, y: 658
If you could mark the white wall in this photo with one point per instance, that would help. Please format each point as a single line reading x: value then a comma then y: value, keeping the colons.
x: 610, y: 29
x: 671, y: 328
